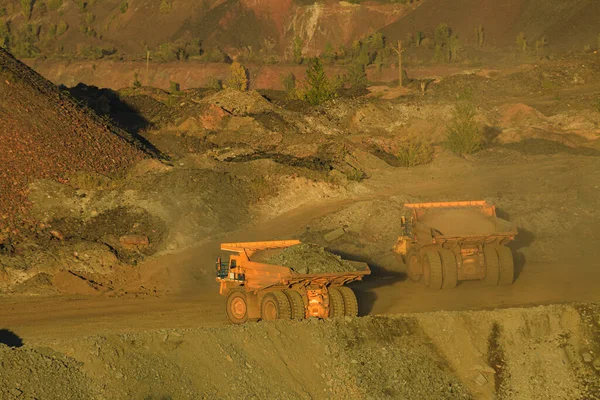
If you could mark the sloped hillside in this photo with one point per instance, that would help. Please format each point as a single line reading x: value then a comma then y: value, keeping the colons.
x: 567, y: 25
x: 44, y: 133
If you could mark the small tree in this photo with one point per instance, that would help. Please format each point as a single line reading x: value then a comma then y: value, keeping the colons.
x: 419, y: 38
x: 454, y: 48
x: 319, y: 88
x: 136, y: 80
x: 479, y: 36
x: 541, y: 44
x: 289, y: 84
x: 298, y: 45
x: 238, y: 77
x: 522, y: 42
x: 124, y: 6
x: 441, y: 39
x: 464, y: 133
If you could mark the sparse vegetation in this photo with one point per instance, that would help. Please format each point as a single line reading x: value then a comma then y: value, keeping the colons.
x: 4, y: 34
x: 61, y: 28
x: 414, y: 153
x: 319, y: 89
x: 54, y: 5
x: 124, y: 6
x: 465, y: 136
x: 238, y: 77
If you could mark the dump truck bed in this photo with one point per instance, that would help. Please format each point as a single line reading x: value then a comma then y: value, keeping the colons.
x: 460, y: 220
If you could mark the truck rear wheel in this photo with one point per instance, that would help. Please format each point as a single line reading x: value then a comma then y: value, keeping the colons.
x: 432, y: 269
x: 297, y: 304
x: 275, y: 305
x: 492, y: 266
x: 336, y: 303
x: 450, y: 270
x: 237, y: 307
x: 350, y: 301
x: 507, y: 266
x: 415, y: 268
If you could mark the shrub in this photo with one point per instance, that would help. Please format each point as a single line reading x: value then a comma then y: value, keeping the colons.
x: 465, y: 136
x: 136, y: 80
x: 174, y: 87
x: 24, y: 43
x: 214, y: 83
x: 479, y: 36
x: 123, y: 7
x: 415, y: 152
x: 357, y: 76
x: 3, y: 12
x: 26, y: 7
x: 319, y: 88
x: 238, y: 77
x: 166, y: 6
x: 4, y: 35
x: 61, y: 27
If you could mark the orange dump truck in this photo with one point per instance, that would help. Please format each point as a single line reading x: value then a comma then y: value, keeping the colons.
x: 256, y: 290
x: 444, y: 243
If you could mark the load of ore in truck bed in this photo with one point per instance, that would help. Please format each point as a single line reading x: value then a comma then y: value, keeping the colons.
x: 311, y: 259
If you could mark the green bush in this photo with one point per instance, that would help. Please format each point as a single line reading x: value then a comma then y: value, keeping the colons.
x: 414, y: 153
x: 4, y: 35
x: 123, y: 7
x: 3, y: 12
x: 465, y: 136
x: 357, y: 76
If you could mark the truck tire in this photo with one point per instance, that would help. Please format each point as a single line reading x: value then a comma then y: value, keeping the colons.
x: 432, y: 269
x: 336, y: 303
x: 297, y: 304
x: 414, y: 266
x: 492, y: 266
x: 237, y: 307
x: 507, y: 266
x: 449, y: 268
x: 350, y: 301
x: 275, y: 305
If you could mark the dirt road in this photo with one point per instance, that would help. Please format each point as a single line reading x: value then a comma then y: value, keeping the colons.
x: 558, y: 263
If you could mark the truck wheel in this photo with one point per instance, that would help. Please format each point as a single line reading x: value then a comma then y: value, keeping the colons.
x: 492, y: 266
x: 415, y: 268
x: 336, y: 303
x: 432, y: 269
x: 237, y: 307
x: 450, y: 270
x: 507, y: 266
x: 295, y: 298
x: 350, y: 302
x: 275, y: 305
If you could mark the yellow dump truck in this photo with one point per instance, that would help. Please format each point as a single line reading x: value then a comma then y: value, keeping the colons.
x: 444, y: 243
x: 257, y: 290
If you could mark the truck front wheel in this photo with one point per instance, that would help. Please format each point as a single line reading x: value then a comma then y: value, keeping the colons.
x: 237, y: 307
